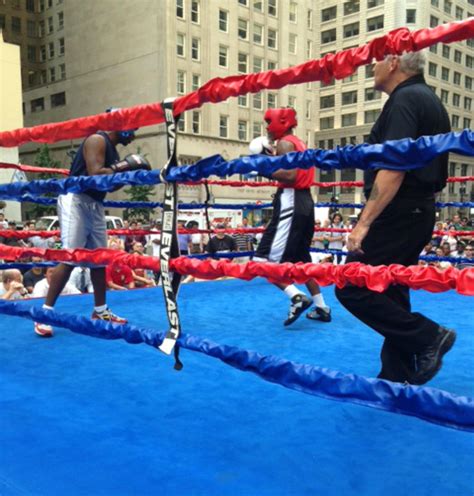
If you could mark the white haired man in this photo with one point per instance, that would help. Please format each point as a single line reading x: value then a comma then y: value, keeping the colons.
x: 397, y: 222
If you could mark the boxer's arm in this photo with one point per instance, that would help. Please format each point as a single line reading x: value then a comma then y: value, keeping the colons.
x: 94, y: 155
x: 282, y: 175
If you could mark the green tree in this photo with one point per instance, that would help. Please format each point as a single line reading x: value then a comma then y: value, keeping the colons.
x: 43, y: 159
x: 139, y: 193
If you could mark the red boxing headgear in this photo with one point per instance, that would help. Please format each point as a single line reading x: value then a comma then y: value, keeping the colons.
x: 280, y: 121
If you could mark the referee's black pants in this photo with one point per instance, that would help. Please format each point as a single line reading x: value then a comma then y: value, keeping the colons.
x: 397, y: 236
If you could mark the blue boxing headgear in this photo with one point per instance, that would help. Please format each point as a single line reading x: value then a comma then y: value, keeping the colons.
x: 125, y: 137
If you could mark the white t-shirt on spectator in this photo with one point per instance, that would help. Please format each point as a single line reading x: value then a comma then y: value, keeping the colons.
x: 155, y: 247
x: 451, y: 240
x: 41, y: 289
x: 336, y: 245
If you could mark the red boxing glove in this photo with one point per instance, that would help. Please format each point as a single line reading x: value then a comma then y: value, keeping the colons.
x: 130, y: 163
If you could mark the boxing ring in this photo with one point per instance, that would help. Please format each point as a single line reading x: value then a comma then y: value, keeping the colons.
x: 88, y: 416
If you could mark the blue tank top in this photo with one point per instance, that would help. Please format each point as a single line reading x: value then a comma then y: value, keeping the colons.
x: 78, y: 167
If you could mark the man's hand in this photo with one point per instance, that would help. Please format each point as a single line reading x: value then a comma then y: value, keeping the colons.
x: 357, y: 235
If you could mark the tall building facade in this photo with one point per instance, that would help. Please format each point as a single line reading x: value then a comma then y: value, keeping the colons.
x: 97, y: 54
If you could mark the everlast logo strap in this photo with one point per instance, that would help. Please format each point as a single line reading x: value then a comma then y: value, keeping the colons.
x: 169, y: 242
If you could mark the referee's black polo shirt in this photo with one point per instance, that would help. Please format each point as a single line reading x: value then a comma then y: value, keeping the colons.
x: 413, y: 110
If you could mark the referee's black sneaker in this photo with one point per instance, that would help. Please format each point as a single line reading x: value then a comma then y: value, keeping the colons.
x: 430, y: 360
x: 299, y: 303
x: 321, y: 314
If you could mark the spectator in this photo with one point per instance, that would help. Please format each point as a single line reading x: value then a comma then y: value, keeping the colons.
x: 3, y: 222
x: 119, y: 276
x: 12, y: 241
x: 221, y: 242
x: 450, y: 239
x: 81, y: 279
x: 115, y: 242
x: 39, y: 242
x: 336, y: 240
x: 140, y: 276
x: 33, y: 276
x: 184, y: 240
x: 246, y: 224
x: 12, y: 287
x: 126, y: 226
x: 456, y: 223
x: 155, y: 239
x: 469, y: 254
x: 427, y: 249
x: 132, y: 238
x: 197, y: 239
x: 243, y: 241
x: 41, y: 287
x: 445, y: 250
x: 459, y: 252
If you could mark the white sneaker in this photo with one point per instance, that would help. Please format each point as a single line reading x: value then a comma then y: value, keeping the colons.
x: 43, y: 330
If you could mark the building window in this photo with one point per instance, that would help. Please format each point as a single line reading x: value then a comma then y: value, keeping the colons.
x: 51, y: 50
x: 433, y: 49
x: 182, y: 123
x: 328, y: 14
x: 459, y: 13
x: 309, y: 50
x: 223, y: 126
x: 243, y: 29
x: 369, y: 71
x: 293, y: 12
x: 370, y: 116
x: 371, y: 94
x: 257, y: 64
x: 375, y: 23
x: 272, y: 8
x: 326, y: 123
x: 271, y: 100
x: 308, y: 109
x: 448, y: 5
x: 52, y: 74
x: 242, y: 101
x: 348, y: 119
x: 272, y: 41
x: 257, y: 101
x: 258, y: 5
x: 258, y: 34
x: 432, y: 69
x: 243, y: 2
x: 60, y: 20
x: 457, y: 56
x: 31, y: 53
x: 181, y: 82
x: 444, y: 73
x: 328, y: 36
x: 62, y: 70
x: 32, y: 76
x: 223, y: 56
x: 195, y: 82
x: 58, y: 99
x: 243, y: 130
x: 195, y: 48
x: 42, y: 53
x: 457, y: 78
x: 374, y: 3
x: 349, y: 97
x: 50, y: 25
x: 257, y: 129
x: 292, y: 43
x: 351, y: 30
x: 351, y: 7
x: 30, y: 29
x: 243, y: 63
x: 309, y: 19
x: 271, y: 65
x: 446, y: 50
x: 37, y: 105
x: 326, y: 101
x: 180, y: 44
x: 41, y: 5
x: 455, y: 121
x: 61, y: 46
x: 292, y: 101
x: 180, y: 9
x: 195, y: 11
x: 196, y: 122
x: 16, y: 25
x: 223, y: 20
x: 468, y: 82
x: 467, y: 103
x: 469, y: 61
x: 30, y: 5
x: 444, y: 96
x: 456, y: 100
x: 434, y: 21
x: 466, y: 123
x: 41, y: 29
x: 411, y: 16
x: 435, y: 3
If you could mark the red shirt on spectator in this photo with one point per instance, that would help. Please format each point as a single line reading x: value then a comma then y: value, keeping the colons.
x: 119, y: 274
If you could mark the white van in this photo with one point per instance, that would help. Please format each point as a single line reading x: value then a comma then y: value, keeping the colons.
x: 51, y: 223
